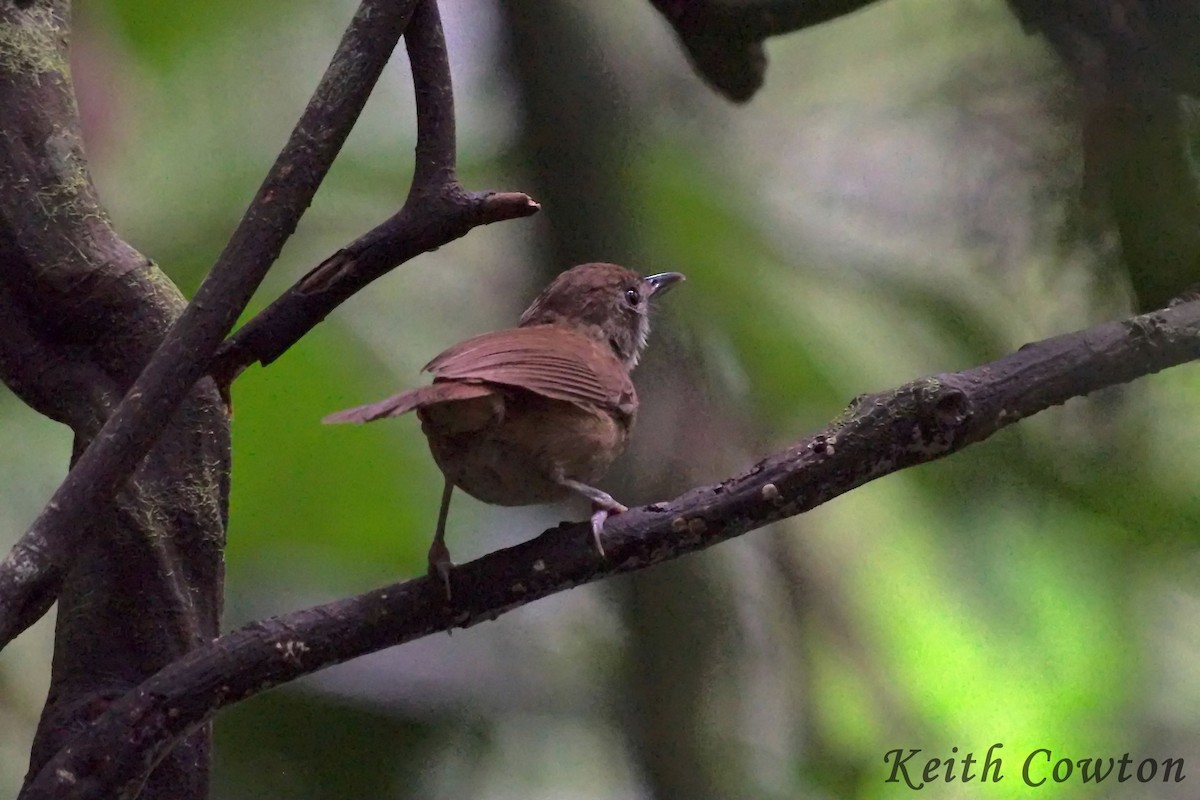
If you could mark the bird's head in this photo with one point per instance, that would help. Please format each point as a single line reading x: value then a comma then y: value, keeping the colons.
x: 604, y: 301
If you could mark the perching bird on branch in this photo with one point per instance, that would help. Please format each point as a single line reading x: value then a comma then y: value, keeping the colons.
x: 536, y: 413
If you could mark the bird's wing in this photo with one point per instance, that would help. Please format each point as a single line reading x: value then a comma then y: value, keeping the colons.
x: 550, y: 360
x: 404, y: 402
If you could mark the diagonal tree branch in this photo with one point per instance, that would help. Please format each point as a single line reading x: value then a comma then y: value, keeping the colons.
x: 724, y: 38
x: 877, y: 435
x: 32, y: 570
x: 437, y: 211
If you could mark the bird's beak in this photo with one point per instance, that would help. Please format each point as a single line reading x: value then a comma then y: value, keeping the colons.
x: 660, y: 283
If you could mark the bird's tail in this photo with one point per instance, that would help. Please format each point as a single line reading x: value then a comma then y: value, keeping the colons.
x: 397, y: 404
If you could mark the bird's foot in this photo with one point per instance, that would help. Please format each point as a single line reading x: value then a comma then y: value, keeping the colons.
x: 602, y: 505
x: 440, y: 565
x: 599, y: 516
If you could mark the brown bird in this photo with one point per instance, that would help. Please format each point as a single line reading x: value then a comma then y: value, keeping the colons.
x: 536, y: 413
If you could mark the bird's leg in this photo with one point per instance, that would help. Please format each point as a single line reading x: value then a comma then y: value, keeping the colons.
x: 602, y: 505
x: 439, y: 554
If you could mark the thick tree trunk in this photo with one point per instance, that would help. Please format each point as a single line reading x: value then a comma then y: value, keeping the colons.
x: 80, y: 314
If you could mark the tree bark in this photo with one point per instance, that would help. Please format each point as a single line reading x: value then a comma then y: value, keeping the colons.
x: 81, y: 312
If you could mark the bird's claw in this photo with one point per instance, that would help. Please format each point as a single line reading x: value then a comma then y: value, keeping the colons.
x: 599, y: 516
x: 440, y: 565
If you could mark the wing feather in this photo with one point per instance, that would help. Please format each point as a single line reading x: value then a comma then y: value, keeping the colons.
x: 551, y: 360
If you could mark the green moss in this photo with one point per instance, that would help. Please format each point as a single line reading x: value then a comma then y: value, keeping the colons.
x: 71, y: 195
x: 849, y: 413
x: 30, y: 42
x: 168, y: 292
x: 917, y: 392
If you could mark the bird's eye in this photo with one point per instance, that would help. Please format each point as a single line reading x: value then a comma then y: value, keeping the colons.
x: 632, y: 297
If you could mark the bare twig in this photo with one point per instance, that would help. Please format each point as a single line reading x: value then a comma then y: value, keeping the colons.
x: 724, y: 38
x: 437, y: 211
x: 878, y: 435
x: 29, y: 573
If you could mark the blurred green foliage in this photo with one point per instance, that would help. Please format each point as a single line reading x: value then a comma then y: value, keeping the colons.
x: 897, y: 202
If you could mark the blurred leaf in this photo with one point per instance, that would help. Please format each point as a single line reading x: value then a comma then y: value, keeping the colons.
x: 162, y: 33
x: 738, y: 295
x: 340, y: 504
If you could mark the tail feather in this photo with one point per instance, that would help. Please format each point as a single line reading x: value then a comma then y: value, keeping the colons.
x: 397, y: 404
